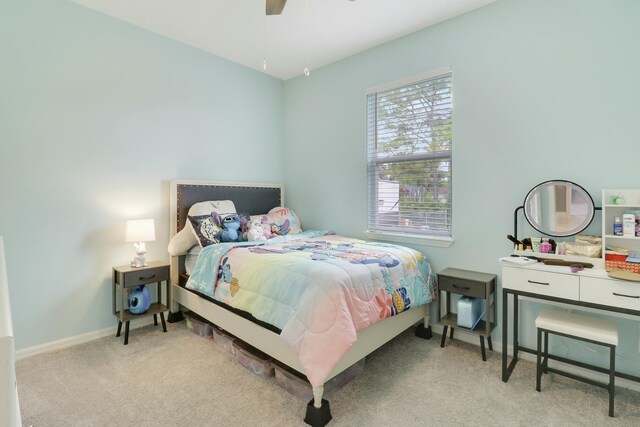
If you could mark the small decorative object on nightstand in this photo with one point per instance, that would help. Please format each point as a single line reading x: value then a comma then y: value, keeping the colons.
x: 138, y: 232
x: 127, y: 279
x: 469, y: 284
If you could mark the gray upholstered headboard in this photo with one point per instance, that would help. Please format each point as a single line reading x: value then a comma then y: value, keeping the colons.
x: 253, y: 199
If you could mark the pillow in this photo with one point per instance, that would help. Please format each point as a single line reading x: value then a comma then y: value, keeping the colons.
x: 182, y: 241
x: 186, y: 238
x: 279, y: 221
x: 205, y: 229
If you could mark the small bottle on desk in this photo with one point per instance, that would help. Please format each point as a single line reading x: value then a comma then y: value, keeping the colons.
x: 545, y: 246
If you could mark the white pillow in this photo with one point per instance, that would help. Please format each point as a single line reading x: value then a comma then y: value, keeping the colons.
x: 185, y: 239
x: 182, y: 241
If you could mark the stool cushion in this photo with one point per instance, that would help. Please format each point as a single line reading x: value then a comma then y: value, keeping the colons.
x: 592, y: 328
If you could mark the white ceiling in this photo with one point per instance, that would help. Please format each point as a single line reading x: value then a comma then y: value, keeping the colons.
x: 237, y: 29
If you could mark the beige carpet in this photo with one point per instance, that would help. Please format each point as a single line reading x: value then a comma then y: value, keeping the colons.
x: 181, y: 379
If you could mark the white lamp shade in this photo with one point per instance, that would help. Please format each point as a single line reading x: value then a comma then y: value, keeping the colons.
x: 141, y: 230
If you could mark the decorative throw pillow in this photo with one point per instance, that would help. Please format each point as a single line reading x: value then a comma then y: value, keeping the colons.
x: 280, y: 222
x: 186, y: 238
x: 205, y: 229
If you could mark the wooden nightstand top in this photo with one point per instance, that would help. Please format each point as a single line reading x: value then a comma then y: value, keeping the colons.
x: 467, y: 275
x: 150, y: 264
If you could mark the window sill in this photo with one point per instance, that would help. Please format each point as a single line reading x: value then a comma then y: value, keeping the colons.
x: 440, y: 242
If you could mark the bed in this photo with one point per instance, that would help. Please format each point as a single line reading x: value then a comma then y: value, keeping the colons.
x: 316, y: 250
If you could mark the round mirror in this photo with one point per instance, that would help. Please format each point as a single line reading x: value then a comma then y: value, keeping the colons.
x: 559, y: 208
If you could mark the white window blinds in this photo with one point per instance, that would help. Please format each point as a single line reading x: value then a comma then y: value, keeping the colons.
x: 409, y: 157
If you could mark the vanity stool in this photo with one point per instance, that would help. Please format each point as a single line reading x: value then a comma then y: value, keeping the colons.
x: 584, y: 328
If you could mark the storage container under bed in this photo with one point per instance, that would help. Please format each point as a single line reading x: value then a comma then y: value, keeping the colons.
x: 253, y: 359
x: 297, y: 384
x: 198, y: 325
x: 224, y: 339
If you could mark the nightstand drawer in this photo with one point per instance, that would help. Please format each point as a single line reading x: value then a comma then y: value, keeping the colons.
x: 541, y: 282
x: 148, y: 275
x: 455, y: 285
x: 614, y: 293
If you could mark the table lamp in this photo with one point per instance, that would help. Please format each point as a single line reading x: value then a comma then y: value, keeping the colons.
x: 138, y: 232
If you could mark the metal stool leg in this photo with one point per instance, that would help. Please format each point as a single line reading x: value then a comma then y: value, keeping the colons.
x: 119, y: 328
x: 545, y: 362
x: 451, y: 333
x: 489, y: 342
x: 484, y: 354
x: 612, y: 378
x: 539, y: 360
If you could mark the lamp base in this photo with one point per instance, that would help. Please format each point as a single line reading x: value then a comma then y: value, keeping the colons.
x: 140, y: 260
x: 135, y: 263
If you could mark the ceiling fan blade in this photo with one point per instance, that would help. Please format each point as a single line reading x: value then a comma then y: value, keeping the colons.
x: 274, y: 7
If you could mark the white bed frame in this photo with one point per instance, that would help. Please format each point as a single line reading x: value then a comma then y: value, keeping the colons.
x: 368, y: 339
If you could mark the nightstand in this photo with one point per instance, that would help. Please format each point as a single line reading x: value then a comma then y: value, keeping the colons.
x: 471, y: 284
x: 127, y: 278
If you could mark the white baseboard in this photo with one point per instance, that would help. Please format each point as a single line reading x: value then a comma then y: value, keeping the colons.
x: 78, y: 339
x: 471, y: 338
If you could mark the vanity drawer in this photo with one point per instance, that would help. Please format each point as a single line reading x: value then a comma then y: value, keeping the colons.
x: 614, y: 293
x: 468, y: 288
x: 541, y: 282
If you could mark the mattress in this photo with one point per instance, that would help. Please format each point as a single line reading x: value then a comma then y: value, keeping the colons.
x: 318, y: 289
x: 191, y: 258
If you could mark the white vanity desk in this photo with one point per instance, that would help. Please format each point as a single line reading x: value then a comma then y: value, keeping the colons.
x: 588, y: 288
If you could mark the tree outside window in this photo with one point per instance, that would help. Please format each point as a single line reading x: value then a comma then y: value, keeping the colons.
x: 409, y: 157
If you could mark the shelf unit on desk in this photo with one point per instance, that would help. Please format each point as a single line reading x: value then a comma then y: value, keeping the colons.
x: 125, y: 278
x: 610, y: 211
x: 471, y: 284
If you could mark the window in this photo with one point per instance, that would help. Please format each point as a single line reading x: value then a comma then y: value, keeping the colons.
x: 409, y: 157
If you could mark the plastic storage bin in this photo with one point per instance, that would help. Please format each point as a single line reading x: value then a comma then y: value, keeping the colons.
x: 470, y: 311
x: 615, y: 261
x: 224, y: 339
x: 253, y: 359
x: 621, y: 265
x: 296, y: 383
x: 198, y: 325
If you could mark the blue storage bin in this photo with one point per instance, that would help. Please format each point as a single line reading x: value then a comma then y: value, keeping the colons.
x: 470, y: 311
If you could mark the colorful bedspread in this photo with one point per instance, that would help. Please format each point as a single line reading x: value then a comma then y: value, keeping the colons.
x: 318, y: 289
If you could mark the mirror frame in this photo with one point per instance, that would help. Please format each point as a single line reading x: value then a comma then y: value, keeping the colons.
x: 552, y: 233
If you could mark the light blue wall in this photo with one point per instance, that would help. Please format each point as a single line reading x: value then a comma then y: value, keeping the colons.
x: 96, y: 116
x: 543, y: 89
